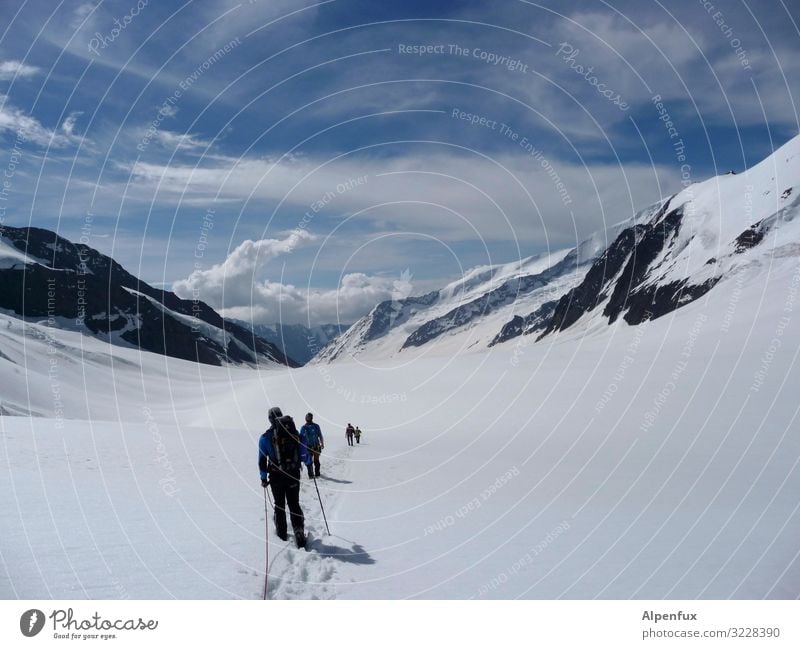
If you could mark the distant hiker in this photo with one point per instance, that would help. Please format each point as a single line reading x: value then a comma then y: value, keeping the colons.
x: 348, y: 433
x: 358, y: 435
x: 311, y: 434
x: 280, y: 455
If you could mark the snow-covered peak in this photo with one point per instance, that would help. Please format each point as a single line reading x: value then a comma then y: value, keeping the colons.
x: 649, y: 264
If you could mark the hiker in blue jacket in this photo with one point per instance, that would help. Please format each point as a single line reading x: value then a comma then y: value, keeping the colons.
x: 311, y: 435
x: 281, y: 453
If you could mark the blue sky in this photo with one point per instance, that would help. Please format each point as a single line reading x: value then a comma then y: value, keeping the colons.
x: 291, y: 159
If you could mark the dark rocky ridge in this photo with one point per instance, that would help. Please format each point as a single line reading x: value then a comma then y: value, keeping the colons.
x: 80, y: 284
x: 620, y: 278
x: 591, y: 291
x: 531, y: 323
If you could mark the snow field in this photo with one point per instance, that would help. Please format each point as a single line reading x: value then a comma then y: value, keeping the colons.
x: 612, y: 462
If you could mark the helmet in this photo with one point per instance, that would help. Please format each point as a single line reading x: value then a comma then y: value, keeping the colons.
x: 274, y: 414
x: 309, y: 417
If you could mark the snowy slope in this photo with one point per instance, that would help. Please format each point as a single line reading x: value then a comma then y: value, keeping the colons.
x: 468, y: 313
x: 652, y: 461
x: 603, y: 460
x: 482, y: 292
x: 664, y: 257
x: 699, y: 237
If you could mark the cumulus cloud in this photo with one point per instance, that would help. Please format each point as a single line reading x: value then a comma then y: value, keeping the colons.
x: 356, y: 295
x: 247, y: 259
x: 15, y: 69
x: 230, y: 283
x: 234, y: 287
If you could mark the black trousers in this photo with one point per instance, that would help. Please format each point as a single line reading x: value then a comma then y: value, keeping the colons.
x: 315, y: 461
x: 286, y: 491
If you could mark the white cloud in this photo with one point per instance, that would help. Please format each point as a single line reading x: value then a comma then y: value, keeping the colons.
x: 79, y: 15
x: 13, y: 69
x: 693, y: 62
x: 180, y: 141
x: 232, y: 279
x: 234, y: 287
x: 288, y: 16
x: 68, y: 125
x: 269, y: 302
x: 14, y: 120
x: 452, y: 197
x: 168, y: 111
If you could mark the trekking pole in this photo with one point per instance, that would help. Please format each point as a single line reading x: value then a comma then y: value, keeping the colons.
x: 325, y: 518
x: 266, y: 543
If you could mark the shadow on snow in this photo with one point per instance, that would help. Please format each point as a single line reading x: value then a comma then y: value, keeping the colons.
x: 354, y: 554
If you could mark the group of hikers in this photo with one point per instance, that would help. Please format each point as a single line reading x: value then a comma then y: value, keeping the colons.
x: 282, y: 452
x: 351, y: 432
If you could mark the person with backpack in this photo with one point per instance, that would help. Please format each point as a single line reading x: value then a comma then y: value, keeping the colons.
x: 358, y: 435
x: 311, y: 434
x: 348, y: 433
x: 280, y: 456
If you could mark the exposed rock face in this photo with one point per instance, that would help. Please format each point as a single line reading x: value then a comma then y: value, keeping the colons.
x: 531, y: 323
x: 621, y: 278
x: 394, y: 312
x: 76, y: 286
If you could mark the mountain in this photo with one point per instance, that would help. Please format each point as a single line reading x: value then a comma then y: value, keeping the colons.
x: 46, y: 277
x: 297, y: 341
x: 698, y: 238
x: 664, y: 257
x: 469, y: 313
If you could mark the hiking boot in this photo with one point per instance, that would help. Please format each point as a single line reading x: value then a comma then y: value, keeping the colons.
x: 280, y: 531
x: 300, y: 539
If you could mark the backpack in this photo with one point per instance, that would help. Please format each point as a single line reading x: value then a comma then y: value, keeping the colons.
x: 312, y: 433
x: 286, y: 441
